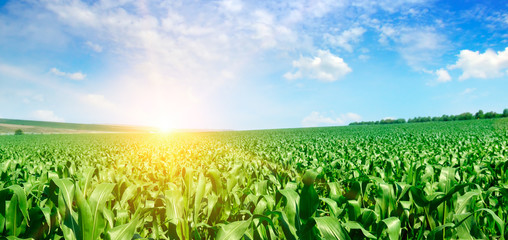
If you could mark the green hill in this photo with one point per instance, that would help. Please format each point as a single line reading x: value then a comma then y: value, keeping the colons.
x: 31, y: 126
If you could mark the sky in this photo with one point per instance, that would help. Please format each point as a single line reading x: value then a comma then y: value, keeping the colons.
x: 238, y: 64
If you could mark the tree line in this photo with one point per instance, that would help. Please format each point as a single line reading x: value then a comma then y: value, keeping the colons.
x: 463, y: 116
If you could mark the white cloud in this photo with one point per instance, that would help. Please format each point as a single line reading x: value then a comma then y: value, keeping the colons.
x: 482, y: 65
x: 418, y: 46
x: 73, y: 76
x: 29, y: 96
x: 158, y: 51
x: 442, y: 75
x: 232, y: 5
x: 95, y: 47
x: 363, y: 57
x: 346, y: 38
x: 98, y: 100
x: 324, y: 67
x: 17, y: 72
x: 316, y: 119
x: 421, y: 47
x: 386, y: 5
x: 76, y: 76
x: 46, y: 115
x: 468, y: 91
x: 57, y: 72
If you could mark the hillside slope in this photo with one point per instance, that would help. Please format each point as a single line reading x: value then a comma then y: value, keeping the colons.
x: 8, y: 126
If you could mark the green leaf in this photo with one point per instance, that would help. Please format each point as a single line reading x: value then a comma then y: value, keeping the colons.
x: 66, y: 190
x: 17, y: 238
x: 109, y: 216
x: 309, y: 177
x: 3, y: 202
x: 335, y: 192
x: 499, y: 221
x: 291, y: 208
x: 438, y: 231
x: 356, y: 225
x: 22, y: 201
x: 214, y: 176
x: 70, y: 227
x: 368, y: 218
x: 97, y: 201
x: 437, y: 201
x: 234, y: 230
x: 87, y: 179
x: 464, y: 201
x: 46, y: 211
x: 289, y: 230
x: 174, y: 206
x: 84, y: 215
x: 13, y: 218
x: 309, y: 202
x: 200, y: 192
x: 126, y: 231
x: 332, y: 205
x: 465, y: 226
x: 392, y: 227
x: 330, y: 228
x: 353, y: 210
x: 419, y: 197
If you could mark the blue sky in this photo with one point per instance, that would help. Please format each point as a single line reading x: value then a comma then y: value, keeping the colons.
x: 236, y: 64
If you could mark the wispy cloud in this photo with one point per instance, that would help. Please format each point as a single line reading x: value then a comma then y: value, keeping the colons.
x: 419, y: 46
x: 95, y: 47
x: 30, y: 96
x: 468, y: 91
x: 347, y: 38
x: 74, y: 76
x: 98, y: 100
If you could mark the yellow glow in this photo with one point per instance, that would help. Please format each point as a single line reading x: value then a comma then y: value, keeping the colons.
x: 164, y: 125
x: 165, y: 128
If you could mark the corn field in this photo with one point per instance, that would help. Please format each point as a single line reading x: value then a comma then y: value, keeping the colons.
x: 437, y: 180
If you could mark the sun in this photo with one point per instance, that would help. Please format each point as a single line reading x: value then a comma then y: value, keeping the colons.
x: 165, y: 128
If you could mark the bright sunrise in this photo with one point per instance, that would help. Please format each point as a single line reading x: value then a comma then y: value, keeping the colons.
x: 240, y: 119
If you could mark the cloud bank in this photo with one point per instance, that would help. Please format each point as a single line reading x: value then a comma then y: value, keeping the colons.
x: 46, y: 115
x: 317, y: 119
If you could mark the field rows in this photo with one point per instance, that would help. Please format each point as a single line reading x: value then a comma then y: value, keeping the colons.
x: 444, y: 180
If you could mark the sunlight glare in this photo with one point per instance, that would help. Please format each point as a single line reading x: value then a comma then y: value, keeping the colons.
x: 165, y: 128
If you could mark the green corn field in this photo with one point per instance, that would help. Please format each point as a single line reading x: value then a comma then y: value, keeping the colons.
x: 436, y: 180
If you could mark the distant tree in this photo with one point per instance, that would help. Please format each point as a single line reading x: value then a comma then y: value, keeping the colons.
x: 505, y: 112
x: 18, y: 132
x: 479, y: 115
x: 490, y: 115
x: 465, y: 116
